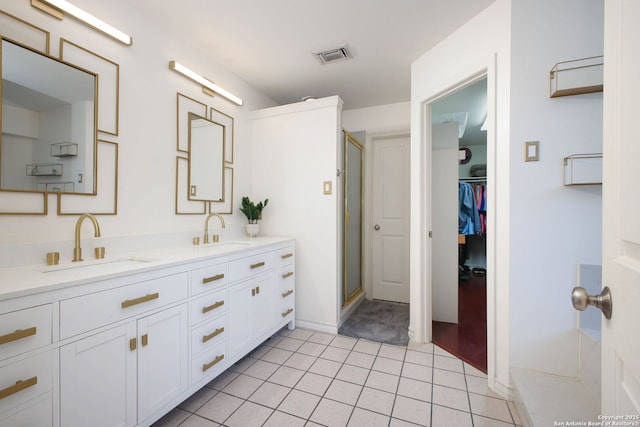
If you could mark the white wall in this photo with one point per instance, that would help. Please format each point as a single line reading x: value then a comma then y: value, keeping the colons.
x: 553, y: 228
x: 147, y: 136
x: 384, y: 119
x: 480, y: 46
x: 295, y: 152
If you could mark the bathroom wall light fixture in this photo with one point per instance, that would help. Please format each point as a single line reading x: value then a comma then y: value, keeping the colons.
x: 58, y: 8
x: 206, y: 84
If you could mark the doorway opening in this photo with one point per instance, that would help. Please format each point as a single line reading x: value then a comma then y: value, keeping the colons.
x: 459, y: 227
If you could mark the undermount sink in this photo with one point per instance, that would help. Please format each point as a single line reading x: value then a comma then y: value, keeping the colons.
x: 98, y: 266
x: 227, y: 246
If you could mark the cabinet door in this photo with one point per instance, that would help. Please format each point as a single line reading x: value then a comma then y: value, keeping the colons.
x: 98, y: 380
x: 240, y: 315
x: 264, y: 312
x: 162, y: 359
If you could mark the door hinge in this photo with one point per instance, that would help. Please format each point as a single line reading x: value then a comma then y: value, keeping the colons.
x: 430, y: 234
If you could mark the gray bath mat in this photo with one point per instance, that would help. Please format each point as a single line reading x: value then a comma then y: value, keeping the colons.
x: 379, y: 321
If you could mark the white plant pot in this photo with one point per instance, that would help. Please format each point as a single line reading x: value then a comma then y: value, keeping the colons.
x: 253, y: 229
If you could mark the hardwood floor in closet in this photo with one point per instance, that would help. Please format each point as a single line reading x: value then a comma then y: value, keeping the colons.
x: 468, y: 338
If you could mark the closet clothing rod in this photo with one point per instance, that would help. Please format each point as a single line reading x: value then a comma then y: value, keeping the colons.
x: 474, y: 179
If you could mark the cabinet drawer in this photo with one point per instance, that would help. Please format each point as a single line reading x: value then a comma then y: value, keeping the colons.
x: 91, y: 311
x: 24, y: 330
x: 209, y: 335
x: 25, y: 380
x: 245, y: 267
x: 286, y: 278
x: 287, y: 310
x: 209, y: 364
x: 285, y: 256
x: 39, y: 413
x: 209, y: 306
x: 208, y: 278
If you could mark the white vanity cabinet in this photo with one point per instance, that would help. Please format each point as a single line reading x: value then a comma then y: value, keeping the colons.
x: 122, y: 375
x: 125, y: 349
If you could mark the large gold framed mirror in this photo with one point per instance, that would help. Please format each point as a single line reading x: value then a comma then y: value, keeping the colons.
x: 49, y: 126
x: 206, y: 159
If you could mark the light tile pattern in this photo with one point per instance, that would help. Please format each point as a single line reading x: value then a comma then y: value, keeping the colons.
x: 307, y: 378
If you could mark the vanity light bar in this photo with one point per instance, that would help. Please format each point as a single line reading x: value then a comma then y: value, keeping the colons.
x: 204, y: 82
x: 85, y: 17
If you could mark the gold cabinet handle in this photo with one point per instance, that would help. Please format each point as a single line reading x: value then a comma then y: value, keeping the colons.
x: 288, y: 312
x: 212, y: 306
x: 218, y: 359
x: 258, y: 264
x: 145, y: 340
x: 257, y: 290
x: 18, y: 386
x: 286, y: 294
x: 17, y: 335
x: 133, y: 343
x: 285, y: 256
x: 148, y: 297
x: 213, y: 278
x: 289, y: 274
x: 213, y: 334
x: 253, y: 292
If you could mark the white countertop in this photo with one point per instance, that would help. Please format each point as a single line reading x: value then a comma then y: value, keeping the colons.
x: 30, y: 279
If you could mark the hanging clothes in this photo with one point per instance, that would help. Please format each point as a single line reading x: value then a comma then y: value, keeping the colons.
x: 468, y: 215
x: 480, y: 194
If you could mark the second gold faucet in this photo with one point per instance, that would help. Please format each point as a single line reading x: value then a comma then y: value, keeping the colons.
x: 206, y: 225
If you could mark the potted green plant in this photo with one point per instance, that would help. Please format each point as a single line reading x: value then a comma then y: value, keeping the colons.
x: 253, y: 212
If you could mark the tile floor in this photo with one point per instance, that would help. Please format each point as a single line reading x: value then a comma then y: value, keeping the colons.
x: 307, y: 378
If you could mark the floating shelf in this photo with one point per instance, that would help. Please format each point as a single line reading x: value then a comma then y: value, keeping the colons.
x: 56, y: 187
x: 583, y: 169
x: 44, y: 169
x: 64, y: 149
x: 576, y: 77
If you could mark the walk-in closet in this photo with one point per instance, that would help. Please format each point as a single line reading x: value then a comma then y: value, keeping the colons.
x: 459, y: 192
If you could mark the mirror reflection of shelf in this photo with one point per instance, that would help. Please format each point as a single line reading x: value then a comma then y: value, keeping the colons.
x: 583, y: 169
x: 577, y: 77
x: 56, y: 187
x: 64, y: 149
x: 44, y: 169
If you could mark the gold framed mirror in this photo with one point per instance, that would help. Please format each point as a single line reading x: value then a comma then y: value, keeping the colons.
x: 206, y: 159
x: 49, y: 123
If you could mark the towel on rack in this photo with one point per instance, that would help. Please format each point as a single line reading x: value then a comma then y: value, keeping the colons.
x: 468, y: 215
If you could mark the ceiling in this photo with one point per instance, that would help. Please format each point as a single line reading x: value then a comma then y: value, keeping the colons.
x: 270, y: 43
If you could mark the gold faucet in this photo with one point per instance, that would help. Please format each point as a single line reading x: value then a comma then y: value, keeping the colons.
x: 206, y: 225
x: 77, y: 251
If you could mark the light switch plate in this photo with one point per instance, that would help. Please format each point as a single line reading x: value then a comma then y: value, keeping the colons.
x: 532, y: 151
x: 327, y: 186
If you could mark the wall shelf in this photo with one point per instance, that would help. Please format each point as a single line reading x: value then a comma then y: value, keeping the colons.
x: 44, y: 169
x: 576, y: 77
x: 56, y: 187
x: 64, y: 149
x: 583, y: 169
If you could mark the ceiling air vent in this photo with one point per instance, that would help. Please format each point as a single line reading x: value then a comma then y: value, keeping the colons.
x: 333, y: 55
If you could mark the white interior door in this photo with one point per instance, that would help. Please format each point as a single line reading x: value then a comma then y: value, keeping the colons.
x: 390, y: 219
x: 444, y: 223
x: 621, y: 200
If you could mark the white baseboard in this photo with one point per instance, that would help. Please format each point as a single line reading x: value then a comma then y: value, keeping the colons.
x: 316, y: 326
